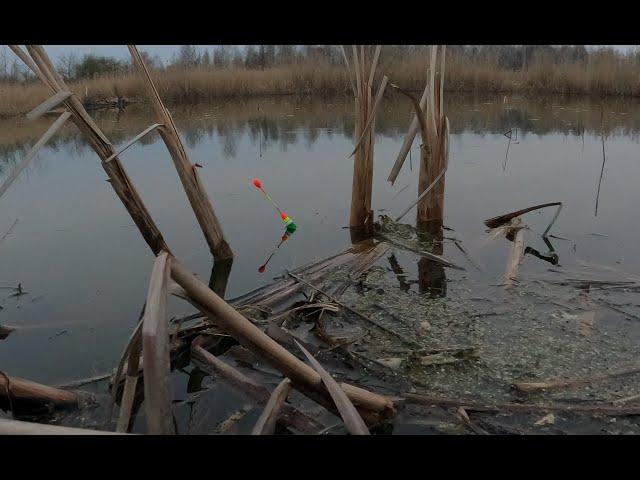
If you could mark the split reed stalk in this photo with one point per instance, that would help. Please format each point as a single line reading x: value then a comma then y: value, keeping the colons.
x: 434, y: 151
x: 361, y: 216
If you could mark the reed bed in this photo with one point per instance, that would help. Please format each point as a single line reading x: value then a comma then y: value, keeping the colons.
x: 598, y: 75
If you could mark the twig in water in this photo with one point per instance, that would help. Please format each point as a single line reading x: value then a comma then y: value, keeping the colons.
x: 422, y: 253
x: 506, y: 155
x: 402, y: 189
x: 471, y: 405
x: 423, y: 194
x: 85, y: 381
x: 529, y: 387
x: 8, y: 232
x: 466, y: 254
x: 604, y: 158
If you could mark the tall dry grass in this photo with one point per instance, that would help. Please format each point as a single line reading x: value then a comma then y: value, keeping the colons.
x: 599, y: 75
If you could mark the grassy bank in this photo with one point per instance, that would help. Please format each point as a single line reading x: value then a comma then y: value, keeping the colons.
x: 599, y: 75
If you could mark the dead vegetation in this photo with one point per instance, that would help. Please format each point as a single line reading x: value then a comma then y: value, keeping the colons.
x: 601, y: 75
x: 333, y: 335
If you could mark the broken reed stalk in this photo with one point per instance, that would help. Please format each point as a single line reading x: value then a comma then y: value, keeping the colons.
x: 373, y: 407
x: 464, y: 418
x: 475, y: 406
x: 26, y: 396
x: 361, y: 216
x: 434, y: 151
x: 187, y: 171
x: 155, y: 346
x: 515, y: 256
x: 130, y: 385
x: 500, y: 220
x: 15, y: 427
x: 55, y: 126
x: 130, y: 356
x: 291, y: 416
x: 49, y: 104
x: 350, y: 416
x: 266, y: 424
x: 408, y: 139
x: 118, y: 178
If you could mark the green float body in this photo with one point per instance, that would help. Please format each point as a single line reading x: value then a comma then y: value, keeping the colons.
x: 290, y: 226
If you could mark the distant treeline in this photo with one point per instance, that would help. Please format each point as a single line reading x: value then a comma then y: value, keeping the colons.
x: 196, y: 74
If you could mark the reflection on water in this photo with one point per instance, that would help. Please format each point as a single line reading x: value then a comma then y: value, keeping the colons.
x: 282, y: 122
x: 285, y: 236
x: 78, y: 255
x: 432, y: 278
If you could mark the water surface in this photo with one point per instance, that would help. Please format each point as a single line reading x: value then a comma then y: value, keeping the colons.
x: 72, y: 246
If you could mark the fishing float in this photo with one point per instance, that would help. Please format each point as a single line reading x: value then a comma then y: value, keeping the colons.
x: 288, y: 223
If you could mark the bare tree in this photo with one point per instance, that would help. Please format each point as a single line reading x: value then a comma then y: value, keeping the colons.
x: 221, y: 56
x: 67, y: 65
x: 188, y: 55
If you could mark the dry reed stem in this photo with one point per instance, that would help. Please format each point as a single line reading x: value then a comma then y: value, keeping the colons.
x: 350, y: 416
x: 42, y: 66
x: 266, y: 424
x: 187, y: 172
x: 304, y: 378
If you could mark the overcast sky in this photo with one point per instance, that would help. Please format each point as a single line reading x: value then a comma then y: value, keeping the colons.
x: 163, y: 51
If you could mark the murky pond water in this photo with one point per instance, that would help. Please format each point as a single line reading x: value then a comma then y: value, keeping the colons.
x: 66, y: 238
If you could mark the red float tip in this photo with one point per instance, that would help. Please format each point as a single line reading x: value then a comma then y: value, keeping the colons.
x: 283, y: 216
x: 261, y: 269
x: 257, y: 183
